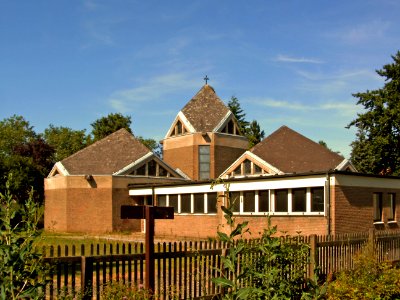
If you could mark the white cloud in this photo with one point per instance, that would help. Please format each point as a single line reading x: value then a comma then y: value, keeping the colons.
x: 152, y: 90
x: 291, y: 59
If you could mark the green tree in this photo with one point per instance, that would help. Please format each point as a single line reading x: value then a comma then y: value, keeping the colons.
x: 26, y: 155
x: 254, y: 133
x: 23, y: 273
x: 376, y: 149
x: 236, y: 109
x: 109, y: 124
x: 152, y: 144
x: 65, y: 141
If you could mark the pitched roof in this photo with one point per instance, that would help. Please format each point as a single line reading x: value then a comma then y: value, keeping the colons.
x: 205, y: 110
x: 291, y: 152
x: 107, y: 155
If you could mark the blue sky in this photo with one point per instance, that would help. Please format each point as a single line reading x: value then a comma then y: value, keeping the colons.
x: 293, y: 63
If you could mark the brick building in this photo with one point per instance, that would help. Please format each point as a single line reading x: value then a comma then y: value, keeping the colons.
x: 301, y: 184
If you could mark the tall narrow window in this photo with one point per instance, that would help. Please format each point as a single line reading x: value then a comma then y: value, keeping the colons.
x: 247, y: 167
x: 198, y: 199
x: 173, y: 201
x: 204, y: 162
x: 377, y: 203
x: 162, y: 200
x: 299, y: 200
x: 281, y: 200
x: 317, y: 199
x: 249, y: 201
x: 263, y: 201
x: 392, y: 207
x: 185, y: 203
x: 151, y: 168
x: 212, y: 203
x: 234, y: 198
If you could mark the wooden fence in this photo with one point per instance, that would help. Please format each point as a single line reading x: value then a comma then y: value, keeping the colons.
x: 185, y: 269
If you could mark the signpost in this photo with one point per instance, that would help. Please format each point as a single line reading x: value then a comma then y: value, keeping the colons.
x: 149, y: 213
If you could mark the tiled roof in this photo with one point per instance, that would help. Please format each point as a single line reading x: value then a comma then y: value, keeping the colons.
x: 205, y: 111
x: 107, y: 155
x: 292, y: 152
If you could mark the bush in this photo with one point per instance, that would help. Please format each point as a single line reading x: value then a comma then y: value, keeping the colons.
x: 22, y: 272
x: 369, y: 279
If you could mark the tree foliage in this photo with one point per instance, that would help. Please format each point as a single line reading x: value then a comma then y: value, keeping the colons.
x: 109, y: 124
x: 376, y: 149
x: 254, y: 133
x: 65, y: 141
x: 22, y: 271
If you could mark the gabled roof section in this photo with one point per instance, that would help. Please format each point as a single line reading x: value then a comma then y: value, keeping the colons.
x: 206, y: 110
x: 291, y: 152
x: 106, y: 156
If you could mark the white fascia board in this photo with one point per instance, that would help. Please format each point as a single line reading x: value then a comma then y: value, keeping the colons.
x: 344, y: 164
x: 60, y: 168
x: 263, y: 162
x: 131, y: 165
x: 185, y: 122
x: 234, y: 163
x: 257, y: 184
x: 222, y: 122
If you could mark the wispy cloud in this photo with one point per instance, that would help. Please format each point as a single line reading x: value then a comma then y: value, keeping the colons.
x: 366, y: 32
x: 291, y: 59
x: 152, y: 90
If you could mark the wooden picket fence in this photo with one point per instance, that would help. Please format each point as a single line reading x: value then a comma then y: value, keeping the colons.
x: 184, y: 269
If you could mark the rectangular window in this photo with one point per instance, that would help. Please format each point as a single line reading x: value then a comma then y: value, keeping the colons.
x: 249, y: 200
x: 198, y: 203
x: 281, y: 200
x: 162, y: 200
x: 299, y: 200
x: 151, y: 168
x: 377, y: 203
x: 392, y: 207
x: 173, y: 201
x: 317, y: 199
x: 212, y: 203
x: 263, y: 201
x: 185, y: 203
x: 204, y: 162
x: 234, y: 198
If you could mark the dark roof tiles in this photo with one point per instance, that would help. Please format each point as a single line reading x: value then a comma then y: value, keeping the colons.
x: 292, y: 152
x: 205, y: 110
x: 107, y: 155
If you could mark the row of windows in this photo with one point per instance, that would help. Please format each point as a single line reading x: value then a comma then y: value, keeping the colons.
x: 280, y: 201
x: 247, y: 167
x: 198, y: 203
x: 377, y: 200
x: 151, y: 168
x: 304, y: 200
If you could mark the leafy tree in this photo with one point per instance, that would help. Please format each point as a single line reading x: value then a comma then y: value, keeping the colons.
x: 376, y: 149
x: 26, y: 155
x: 152, y: 144
x: 254, y: 133
x: 237, y: 111
x: 109, y: 124
x: 23, y: 273
x: 65, y: 141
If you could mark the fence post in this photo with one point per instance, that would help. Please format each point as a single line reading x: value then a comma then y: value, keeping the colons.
x: 313, y: 256
x: 87, y: 277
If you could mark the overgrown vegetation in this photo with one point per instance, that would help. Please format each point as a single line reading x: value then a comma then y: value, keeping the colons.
x: 22, y: 272
x: 369, y: 279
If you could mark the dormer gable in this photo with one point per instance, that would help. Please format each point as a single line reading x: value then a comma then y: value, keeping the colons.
x: 228, y: 125
x: 249, y: 164
x: 180, y: 126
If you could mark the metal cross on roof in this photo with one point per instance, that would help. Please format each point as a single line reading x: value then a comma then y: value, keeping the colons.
x: 206, y: 79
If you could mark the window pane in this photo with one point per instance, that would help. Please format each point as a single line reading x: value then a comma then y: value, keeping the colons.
x: 162, y: 172
x: 392, y: 207
x: 162, y: 200
x: 198, y: 203
x: 247, y: 167
x: 257, y: 169
x: 141, y: 170
x: 249, y: 201
x: 299, y: 200
x: 234, y: 198
x: 377, y: 203
x: 173, y: 201
x: 238, y: 170
x: 204, y: 162
x: 185, y: 203
x: 212, y: 203
x: 230, y: 127
x: 281, y: 200
x: 317, y: 199
x: 152, y: 165
x: 263, y: 201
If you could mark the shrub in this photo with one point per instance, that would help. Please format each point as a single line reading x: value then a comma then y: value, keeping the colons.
x: 369, y: 279
x: 22, y: 272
